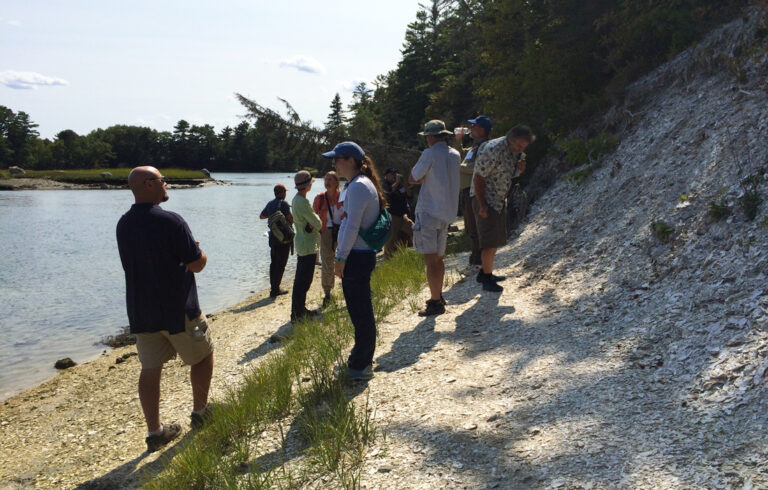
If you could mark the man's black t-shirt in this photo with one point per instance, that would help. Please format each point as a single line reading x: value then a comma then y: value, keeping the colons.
x: 154, y: 247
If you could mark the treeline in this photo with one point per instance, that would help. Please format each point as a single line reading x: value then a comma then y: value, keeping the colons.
x: 242, y: 148
x: 547, y: 64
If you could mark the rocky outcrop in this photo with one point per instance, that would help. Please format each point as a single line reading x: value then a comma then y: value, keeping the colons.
x: 14, y: 171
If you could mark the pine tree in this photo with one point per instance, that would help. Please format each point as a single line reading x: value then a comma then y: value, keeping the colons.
x: 334, y: 127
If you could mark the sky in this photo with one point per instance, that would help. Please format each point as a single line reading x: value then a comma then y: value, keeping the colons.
x: 83, y: 64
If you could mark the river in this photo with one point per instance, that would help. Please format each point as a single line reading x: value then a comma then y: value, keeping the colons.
x: 62, y: 287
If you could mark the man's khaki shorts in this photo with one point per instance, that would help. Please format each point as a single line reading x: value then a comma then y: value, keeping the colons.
x: 430, y: 235
x: 157, y: 348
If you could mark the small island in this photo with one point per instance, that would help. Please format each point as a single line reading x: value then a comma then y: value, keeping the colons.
x: 104, y: 178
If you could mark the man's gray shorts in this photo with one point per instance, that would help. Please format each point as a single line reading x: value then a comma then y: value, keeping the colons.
x: 430, y: 235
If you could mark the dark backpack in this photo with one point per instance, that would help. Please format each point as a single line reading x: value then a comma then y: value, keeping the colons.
x: 280, y: 227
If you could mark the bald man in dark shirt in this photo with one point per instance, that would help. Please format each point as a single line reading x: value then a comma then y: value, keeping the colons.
x: 160, y: 258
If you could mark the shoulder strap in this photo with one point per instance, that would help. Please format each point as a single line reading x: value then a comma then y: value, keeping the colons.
x: 328, y: 202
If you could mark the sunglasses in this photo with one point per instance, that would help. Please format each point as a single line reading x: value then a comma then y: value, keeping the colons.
x: 161, y: 179
x: 340, y: 157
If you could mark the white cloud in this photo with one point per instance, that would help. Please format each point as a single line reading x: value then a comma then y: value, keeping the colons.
x: 303, y: 63
x: 350, y: 85
x: 25, y: 80
x: 14, y: 23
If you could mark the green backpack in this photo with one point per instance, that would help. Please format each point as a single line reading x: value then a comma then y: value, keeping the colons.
x: 376, y: 236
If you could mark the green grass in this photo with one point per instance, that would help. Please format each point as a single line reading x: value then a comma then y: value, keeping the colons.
x: 119, y: 175
x: 298, y: 385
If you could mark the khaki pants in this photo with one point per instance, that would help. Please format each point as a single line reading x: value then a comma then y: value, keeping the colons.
x: 327, y: 257
x: 401, y: 225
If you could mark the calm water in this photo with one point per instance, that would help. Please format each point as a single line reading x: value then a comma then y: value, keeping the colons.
x: 62, y: 287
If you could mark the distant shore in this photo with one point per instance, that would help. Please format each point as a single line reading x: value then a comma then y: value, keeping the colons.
x: 99, y: 178
x: 42, y: 184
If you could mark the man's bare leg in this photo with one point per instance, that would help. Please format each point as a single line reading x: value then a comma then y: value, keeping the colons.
x: 149, y: 395
x: 200, y: 377
x: 435, y: 275
x: 487, y: 255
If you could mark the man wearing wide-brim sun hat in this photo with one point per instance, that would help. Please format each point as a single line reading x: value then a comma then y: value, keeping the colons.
x: 438, y: 173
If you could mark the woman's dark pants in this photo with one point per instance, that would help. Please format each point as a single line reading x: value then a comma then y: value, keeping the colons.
x: 356, y: 285
x: 305, y: 272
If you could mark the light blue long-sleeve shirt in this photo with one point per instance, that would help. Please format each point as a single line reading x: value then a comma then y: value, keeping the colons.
x: 361, y: 210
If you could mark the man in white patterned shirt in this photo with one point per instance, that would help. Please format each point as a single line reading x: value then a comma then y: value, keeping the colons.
x: 502, y: 160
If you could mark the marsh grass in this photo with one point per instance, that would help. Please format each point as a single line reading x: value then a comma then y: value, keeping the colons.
x: 119, y: 175
x: 304, y: 380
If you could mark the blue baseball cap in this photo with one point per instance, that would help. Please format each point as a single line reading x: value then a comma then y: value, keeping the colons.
x: 484, y: 122
x: 347, y: 149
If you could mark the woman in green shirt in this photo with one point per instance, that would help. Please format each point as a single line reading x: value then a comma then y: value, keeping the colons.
x: 306, y: 243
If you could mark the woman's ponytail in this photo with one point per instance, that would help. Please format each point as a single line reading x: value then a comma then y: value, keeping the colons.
x: 368, y: 169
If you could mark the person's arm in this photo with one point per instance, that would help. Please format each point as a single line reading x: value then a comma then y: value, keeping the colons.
x: 421, y: 168
x: 186, y: 248
x: 310, y: 216
x: 478, y: 180
x: 199, y: 264
x: 355, y: 204
x: 286, y: 209
x: 263, y: 214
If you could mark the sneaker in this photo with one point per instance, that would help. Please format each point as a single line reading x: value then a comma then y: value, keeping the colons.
x: 492, y: 287
x: 156, y: 441
x: 443, y: 301
x: 360, y: 374
x: 198, y: 420
x: 279, y: 292
x: 434, y: 307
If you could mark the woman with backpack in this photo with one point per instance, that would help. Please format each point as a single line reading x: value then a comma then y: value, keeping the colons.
x: 328, y: 207
x: 363, y: 203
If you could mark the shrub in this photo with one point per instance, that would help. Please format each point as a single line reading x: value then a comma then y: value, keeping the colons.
x: 663, y: 231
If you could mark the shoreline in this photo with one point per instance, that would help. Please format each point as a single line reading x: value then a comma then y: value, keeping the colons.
x: 79, y: 425
x: 106, y: 349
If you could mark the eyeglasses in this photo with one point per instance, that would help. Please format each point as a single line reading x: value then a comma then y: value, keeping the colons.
x: 161, y: 179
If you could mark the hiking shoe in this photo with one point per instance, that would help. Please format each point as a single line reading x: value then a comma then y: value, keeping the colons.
x: 360, y: 374
x: 434, y: 307
x: 443, y: 301
x: 492, y: 287
x: 482, y: 277
x: 156, y: 441
x: 327, y: 300
x: 198, y: 420
x: 279, y: 292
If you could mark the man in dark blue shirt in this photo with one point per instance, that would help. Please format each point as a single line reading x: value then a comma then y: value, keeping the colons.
x: 160, y: 256
x: 278, y: 251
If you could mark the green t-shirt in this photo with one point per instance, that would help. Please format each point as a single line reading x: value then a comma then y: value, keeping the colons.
x: 305, y: 243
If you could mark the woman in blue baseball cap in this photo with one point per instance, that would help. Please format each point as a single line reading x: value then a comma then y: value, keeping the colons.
x: 363, y: 201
